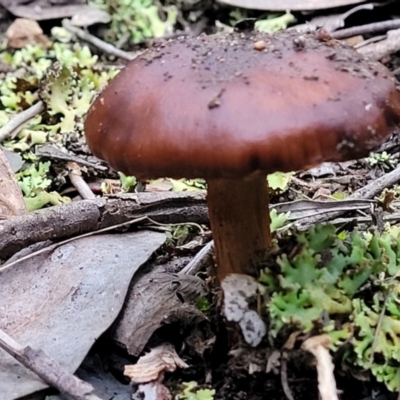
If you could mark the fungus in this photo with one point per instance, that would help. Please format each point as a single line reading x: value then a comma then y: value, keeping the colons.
x: 223, y: 108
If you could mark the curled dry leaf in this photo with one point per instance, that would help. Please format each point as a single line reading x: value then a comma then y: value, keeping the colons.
x: 150, y: 366
x: 157, y: 298
x: 11, y: 200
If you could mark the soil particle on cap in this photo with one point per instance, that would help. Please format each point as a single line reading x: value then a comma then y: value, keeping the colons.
x: 299, y: 43
x: 208, y: 52
x: 216, y: 101
x: 260, y: 45
x: 323, y: 35
x: 296, y: 82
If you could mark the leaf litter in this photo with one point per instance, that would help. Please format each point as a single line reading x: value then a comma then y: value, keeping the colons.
x: 65, y: 74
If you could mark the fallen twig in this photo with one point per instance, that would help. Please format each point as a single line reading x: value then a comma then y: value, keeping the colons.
x: 18, y: 121
x: 95, y: 41
x: 377, y: 332
x: 69, y: 220
x: 366, y: 42
x: 55, y: 245
x: 79, y: 217
x: 53, y: 153
x: 204, y: 256
x: 47, y: 369
x: 383, y: 48
x: 368, y: 28
x: 392, y: 218
x: 366, y: 192
x: 200, y: 260
x: 78, y: 182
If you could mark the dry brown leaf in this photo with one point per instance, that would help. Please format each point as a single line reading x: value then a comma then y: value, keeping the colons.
x: 11, y: 200
x: 23, y: 32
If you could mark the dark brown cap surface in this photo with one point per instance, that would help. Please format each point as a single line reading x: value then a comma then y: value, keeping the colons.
x: 221, y: 106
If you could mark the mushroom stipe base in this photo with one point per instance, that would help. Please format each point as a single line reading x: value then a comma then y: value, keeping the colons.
x: 240, y: 222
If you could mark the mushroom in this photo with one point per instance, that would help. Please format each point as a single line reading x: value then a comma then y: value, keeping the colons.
x: 227, y: 109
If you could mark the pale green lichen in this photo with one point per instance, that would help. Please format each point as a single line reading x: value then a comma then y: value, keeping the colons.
x: 66, y: 77
x: 342, y: 285
x: 137, y: 20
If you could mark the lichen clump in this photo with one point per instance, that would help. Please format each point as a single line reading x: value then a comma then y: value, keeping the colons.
x: 346, y: 285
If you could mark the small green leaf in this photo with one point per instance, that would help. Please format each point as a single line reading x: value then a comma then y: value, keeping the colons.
x: 274, y: 22
x: 128, y: 182
x: 183, y: 185
x: 277, y: 220
x: 279, y: 180
x: 43, y: 198
x: 189, y: 392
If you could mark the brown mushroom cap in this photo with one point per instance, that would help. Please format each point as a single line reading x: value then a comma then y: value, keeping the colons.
x: 225, y: 106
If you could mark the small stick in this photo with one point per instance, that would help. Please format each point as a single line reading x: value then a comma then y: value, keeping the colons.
x: 17, y: 122
x: 78, y: 182
x: 377, y: 332
x: 383, y: 48
x: 367, y: 42
x: 95, y: 41
x: 200, y: 260
x: 55, y: 245
x: 47, y: 369
x: 368, y: 28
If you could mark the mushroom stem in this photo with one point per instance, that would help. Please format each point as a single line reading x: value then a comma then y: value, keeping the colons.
x: 240, y: 222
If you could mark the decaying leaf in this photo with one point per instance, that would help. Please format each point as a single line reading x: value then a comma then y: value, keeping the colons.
x: 63, y: 300
x: 157, y: 298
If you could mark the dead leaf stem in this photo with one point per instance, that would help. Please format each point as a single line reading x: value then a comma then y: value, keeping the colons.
x: 16, y: 123
x: 95, y: 41
x: 48, y: 369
